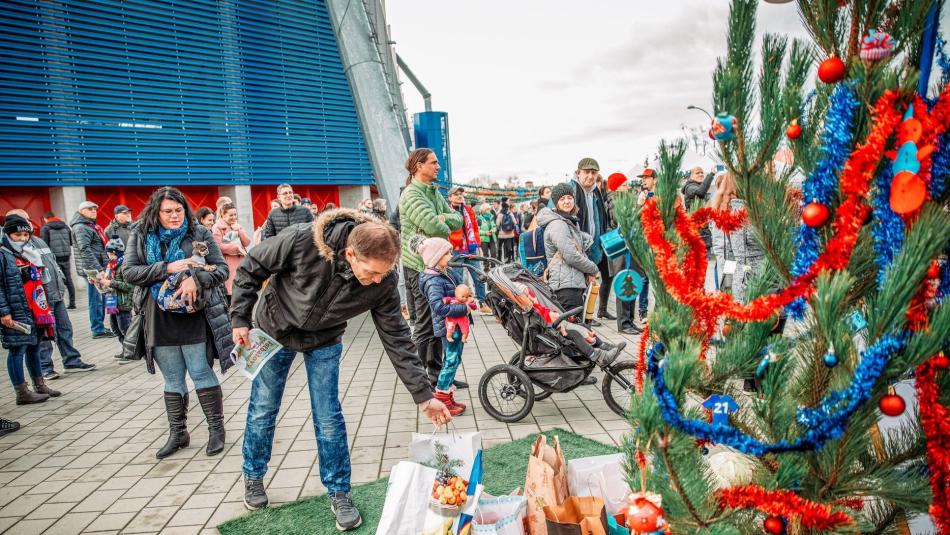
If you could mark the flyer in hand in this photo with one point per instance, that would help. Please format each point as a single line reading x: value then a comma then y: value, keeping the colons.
x: 251, y: 359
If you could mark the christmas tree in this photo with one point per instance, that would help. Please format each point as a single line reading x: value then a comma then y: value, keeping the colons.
x: 855, y: 256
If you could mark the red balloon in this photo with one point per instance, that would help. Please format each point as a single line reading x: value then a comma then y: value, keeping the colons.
x: 793, y: 131
x: 815, y: 214
x: 774, y: 525
x: 831, y: 70
x: 908, y: 192
x: 892, y: 405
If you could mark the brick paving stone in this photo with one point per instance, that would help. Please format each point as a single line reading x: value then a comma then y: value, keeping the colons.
x: 90, y: 454
x: 71, y: 523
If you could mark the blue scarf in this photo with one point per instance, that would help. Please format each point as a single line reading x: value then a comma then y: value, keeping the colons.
x: 171, y: 238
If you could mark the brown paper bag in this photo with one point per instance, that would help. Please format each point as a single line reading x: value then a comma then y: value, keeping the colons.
x: 579, y: 515
x: 546, y: 482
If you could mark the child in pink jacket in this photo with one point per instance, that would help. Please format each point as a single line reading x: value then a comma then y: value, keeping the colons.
x: 232, y: 240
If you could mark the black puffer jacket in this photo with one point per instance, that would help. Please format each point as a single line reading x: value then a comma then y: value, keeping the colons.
x: 313, y: 292
x: 279, y: 218
x: 13, y: 301
x: 90, y: 250
x: 137, y: 271
x: 57, y: 235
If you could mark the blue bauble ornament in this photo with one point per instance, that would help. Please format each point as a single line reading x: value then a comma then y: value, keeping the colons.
x: 722, y: 127
x: 831, y: 360
x: 627, y: 285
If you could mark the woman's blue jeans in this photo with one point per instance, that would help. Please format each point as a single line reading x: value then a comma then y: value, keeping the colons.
x: 173, y: 361
x: 323, y: 377
x: 15, y: 363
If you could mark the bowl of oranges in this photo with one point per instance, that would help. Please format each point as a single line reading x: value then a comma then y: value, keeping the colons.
x: 449, y: 494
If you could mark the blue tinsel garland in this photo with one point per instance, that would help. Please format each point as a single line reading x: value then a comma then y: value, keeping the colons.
x: 825, y: 422
x: 888, y: 228
x: 822, y: 183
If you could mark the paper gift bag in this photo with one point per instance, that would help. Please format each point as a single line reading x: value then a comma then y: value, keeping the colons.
x: 600, y: 476
x: 617, y: 525
x: 579, y: 515
x: 504, y: 515
x: 546, y: 482
x: 463, y: 447
x: 406, y: 510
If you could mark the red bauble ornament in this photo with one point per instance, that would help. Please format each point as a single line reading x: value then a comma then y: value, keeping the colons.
x: 908, y: 192
x: 644, y: 516
x: 711, y: 136
x: 774, y: 525
x: 794, y: 131
x: 815, y: 214
x: 934, y: 270
x: 892, y: 405
x: 940, y: 362
x: 831, y: 70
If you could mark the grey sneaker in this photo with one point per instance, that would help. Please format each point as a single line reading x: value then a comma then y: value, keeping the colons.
x: 347, y: 517
x: 254, y: 495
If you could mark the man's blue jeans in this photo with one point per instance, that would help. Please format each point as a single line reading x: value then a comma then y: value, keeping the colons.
x: 323, y: 377
x: 64, y: 341
x: 97, y: 309
x: 459, y: 274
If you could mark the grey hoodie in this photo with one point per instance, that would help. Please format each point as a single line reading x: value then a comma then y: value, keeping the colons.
x: 564, y: 246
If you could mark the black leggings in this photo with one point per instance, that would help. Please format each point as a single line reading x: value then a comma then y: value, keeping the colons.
x: 507, y: 253
x: 427, y: 343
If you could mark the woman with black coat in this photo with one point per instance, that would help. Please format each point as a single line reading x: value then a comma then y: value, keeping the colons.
x: 179, y: 338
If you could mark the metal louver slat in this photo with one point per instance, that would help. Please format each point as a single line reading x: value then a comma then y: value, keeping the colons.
x: 185, y: 91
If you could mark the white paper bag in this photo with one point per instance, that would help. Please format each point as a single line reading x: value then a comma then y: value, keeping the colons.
x: 459, y: 446
x: 602, y: 477
x: 406, y: 510
x: 504, y: 515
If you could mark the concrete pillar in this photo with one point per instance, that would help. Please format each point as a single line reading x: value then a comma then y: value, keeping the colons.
x: 350, y: 196
x: 241, y: 195
x: 382, y: 128
x: 64, y: 201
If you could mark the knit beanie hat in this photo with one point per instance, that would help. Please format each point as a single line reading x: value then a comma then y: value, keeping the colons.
x: 14, y: 223
x: 115, y: 245
x: 433, y: 249
x: 615, y: 180
x: 561, y: 190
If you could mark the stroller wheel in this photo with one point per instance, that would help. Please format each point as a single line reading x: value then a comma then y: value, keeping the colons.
x: 506, y: 393
x: 539, y: 393
x: 618, y: 386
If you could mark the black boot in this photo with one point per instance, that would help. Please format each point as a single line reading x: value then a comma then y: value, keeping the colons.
x: 176, y: 405
x: 213, y: 407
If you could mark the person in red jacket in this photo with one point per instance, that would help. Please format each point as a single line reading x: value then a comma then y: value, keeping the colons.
x: 467, y: 240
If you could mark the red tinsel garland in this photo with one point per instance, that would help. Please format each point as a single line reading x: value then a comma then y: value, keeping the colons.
x: 685, y: 285
x: 784, y: 503
x: 642, y: 359
x: 935, y: 421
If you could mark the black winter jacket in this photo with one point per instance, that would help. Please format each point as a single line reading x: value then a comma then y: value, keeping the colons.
x: 90, y: 251
x: 693, y: 191
x: 278, y: 219
x: 13, y: 302
x: 137, y: 271
x: 124, y: 232
x: 57, y: 235
x: 600, y: 205
x: 312, y: 293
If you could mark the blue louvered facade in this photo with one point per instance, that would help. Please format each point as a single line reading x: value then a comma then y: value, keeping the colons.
x: 171, y: 92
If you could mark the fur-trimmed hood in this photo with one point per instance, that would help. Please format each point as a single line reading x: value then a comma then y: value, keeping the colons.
x: 332, y: 228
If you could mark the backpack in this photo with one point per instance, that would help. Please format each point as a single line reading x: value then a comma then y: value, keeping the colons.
x: 507, y: 222
x: 531, y: 251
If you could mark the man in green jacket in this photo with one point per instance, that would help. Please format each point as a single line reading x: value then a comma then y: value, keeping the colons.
x: 424, y: 212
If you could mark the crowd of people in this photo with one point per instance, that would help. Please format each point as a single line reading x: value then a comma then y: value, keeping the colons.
x: 181, y: 288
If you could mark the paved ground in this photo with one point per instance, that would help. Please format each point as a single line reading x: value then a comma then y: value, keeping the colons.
x: 85, y: 462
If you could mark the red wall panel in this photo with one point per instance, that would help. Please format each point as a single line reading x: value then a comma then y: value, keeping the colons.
x: 135, y: 198
x: 261, y: 196
x: 35, y: 200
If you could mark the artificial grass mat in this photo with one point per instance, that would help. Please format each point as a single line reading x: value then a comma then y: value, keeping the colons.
x: 505, y: 467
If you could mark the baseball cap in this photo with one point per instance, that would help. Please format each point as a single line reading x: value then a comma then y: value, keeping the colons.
x: 588, y: 163
x: 455, y: 189
x: 306, y: 200
x: 121, y: 209
x: 87, y: 204
x: 648, y: 173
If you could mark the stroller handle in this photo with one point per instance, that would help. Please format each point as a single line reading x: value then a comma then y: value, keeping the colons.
x: 477, y: 272
x: 572, y: 312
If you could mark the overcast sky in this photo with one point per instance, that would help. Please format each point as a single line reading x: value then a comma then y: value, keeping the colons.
x: 532, y: 86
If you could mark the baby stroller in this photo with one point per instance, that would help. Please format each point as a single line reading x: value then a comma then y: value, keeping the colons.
x: 546, y: 361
